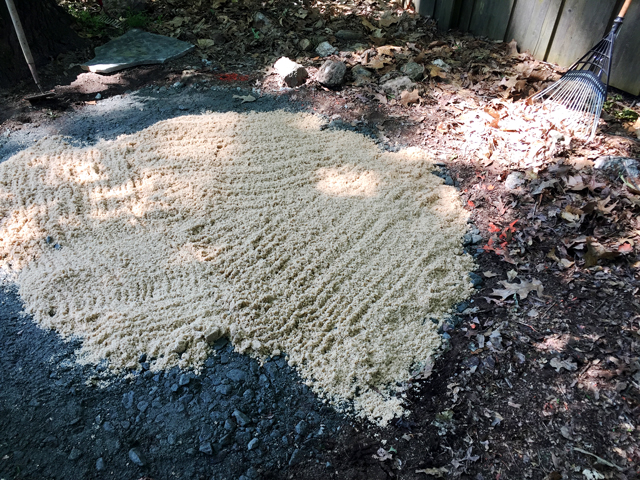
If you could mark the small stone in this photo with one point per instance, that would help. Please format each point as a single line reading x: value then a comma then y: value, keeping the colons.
x: 178, y: 85
x: 398, y: 85
x: 462, y: 306
x: 304, y: 44
x: 224, y: 389
x: 476, y: 280
x: 135, y: 455
x: 100, y: 464
x: 127, y: 400
x: 98, y: 97
x: 227, y: 439
x: 296, y: 457
x: 206, y: 448
x: 241, y: 418
x: 230, y: 424
x: 475, y: 239
x: 291, y: 72
x: 413, y: 70
x: 206, y: 432
x: 440, y: 63
x: 556, y: 136
x: 261, y: 21
x: 75, y: 454
x: 331, y: 73
x: 171, y: 439
x: 302, y: 427
x: 514, y: 180
x: 449, y: 181
x: 361, y: 76
x: 184, y: 380
x: 248, y: 394
x: 253, y: 444
x: 48, y: 240
x: 618, y: 166
x: 174, y: 387
x: 348, y: 35
x: 325, y: 49
x: 142, y: 406
x: 236, y: 375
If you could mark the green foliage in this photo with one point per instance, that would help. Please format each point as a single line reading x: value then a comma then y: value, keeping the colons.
x: 256, y: 34
x: 89, y: 23
x: 136, y: 20
x: 610, y: 103
x: 613, y: 108
x: 626, y: 115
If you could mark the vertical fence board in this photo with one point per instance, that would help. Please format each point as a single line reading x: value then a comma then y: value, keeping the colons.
x: 425, y: 7
x: 466, y: 11
x: 490, y: 18
x: 532, y: 25
x: 582, y: 25
x: 446, y: 14
x: 625, y: 72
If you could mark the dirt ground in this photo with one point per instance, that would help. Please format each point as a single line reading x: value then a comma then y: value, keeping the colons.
x: 539, y: 376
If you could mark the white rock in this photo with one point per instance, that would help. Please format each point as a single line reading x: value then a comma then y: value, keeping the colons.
x: 398, y: 85
x: 291, y: 72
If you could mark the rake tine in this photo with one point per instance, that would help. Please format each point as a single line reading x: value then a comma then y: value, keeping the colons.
x: 580, y: 93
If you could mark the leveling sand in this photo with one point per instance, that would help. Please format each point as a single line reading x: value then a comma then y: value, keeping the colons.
x: 260, y: 227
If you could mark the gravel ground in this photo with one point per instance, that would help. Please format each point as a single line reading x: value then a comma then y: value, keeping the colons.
x: 59, y: 419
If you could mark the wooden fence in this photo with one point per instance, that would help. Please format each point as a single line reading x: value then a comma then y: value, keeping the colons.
x: 557, y: 31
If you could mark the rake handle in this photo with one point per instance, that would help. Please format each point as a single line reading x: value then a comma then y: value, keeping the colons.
x: 625, y: 7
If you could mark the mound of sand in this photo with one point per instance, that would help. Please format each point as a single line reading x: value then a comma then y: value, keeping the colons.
x: 261, y: 227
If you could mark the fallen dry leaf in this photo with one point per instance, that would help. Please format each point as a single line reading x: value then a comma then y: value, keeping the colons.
x: 489, y: 274
x: 560, y: 364
x: 625, y: 249
x: 368, y: 24
x: 596, y: 251
x: 205, y: 42
x: 571, y: 213
x: 435, y: 71
x: 245, y: 98
x: 436, y: 472
x: 407, y: 98
x: 521, y: 289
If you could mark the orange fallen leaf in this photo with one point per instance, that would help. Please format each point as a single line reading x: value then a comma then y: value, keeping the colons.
x: 625, y: 248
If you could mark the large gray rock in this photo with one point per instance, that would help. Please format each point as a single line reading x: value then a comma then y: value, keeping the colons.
x: 348, y: 35
x: 361, y: 76
x: 291, y: 72
x: 136, y: 48
x: 331, y: 73
x: 325, y: 49
x: 398, y: 85
x: 413, y: 70
x: 618, y: 166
